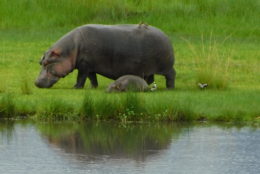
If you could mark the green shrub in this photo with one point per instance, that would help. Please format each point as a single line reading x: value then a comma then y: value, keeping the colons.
x: 211, y: 64
x: 56, y: 109
x: 7, y: 106
x: 2, y: 88
x: 133, y: 106
x: 25, y: 87
x: 107, y: 107
x: 87, y: 108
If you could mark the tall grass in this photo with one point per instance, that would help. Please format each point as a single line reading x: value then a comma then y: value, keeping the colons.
x: 162, y: 106
x: 133, y: 106
x: 211, y: 63
x: 7, y: 106
x: 25, y: 86
x: 105, y: 107
x: 87, y: 107
x: 56, y: 109
x: 99, y: 106
x: 222, y: 16
x: 2, y: 88
x: 138, y: 107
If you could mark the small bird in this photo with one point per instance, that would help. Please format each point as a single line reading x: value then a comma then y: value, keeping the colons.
x: 143, y: 24
x: 154, y: 87
x: 202, y: 85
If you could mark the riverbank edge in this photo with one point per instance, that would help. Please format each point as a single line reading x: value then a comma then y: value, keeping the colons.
x: 134, y: 107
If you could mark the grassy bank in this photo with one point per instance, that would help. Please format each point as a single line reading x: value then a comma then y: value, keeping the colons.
x: 215, y: 42
x: 179, y: 105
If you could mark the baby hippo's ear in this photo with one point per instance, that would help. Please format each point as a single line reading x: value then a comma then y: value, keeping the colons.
x: 118, y: 86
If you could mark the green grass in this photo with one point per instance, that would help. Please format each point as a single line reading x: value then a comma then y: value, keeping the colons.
x: 238, y: 17
x: 179, y: 105
x: 25, y: 84
x: 215, y: 42
x: 211, y: 63
x: 56, y: 110
x: 7, y: 106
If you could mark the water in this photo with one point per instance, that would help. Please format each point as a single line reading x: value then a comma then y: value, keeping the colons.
x: 64, y: 148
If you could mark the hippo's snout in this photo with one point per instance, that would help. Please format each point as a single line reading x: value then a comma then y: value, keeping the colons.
x: 42, y: 84
x: 45, y: 79
x: 45, y: 83
x: 37, y: 83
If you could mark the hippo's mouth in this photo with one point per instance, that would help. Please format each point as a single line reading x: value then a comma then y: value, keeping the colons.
x: 46, y: 83
x: 46, y: 79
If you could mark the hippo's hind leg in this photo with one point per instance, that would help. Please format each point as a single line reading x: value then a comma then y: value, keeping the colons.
x: 149, y: 79
x: 81, y: 79
x: 170, y: 78
x: 93, y: 79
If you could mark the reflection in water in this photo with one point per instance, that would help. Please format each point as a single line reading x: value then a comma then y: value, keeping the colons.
x: 6, y: 129
x: 114, y: 140
x: 69, y: 148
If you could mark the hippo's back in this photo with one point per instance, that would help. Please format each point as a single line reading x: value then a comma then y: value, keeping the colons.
x: 117, y: 50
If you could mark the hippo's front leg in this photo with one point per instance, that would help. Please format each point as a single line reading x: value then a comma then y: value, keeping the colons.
x: 81, y: 79
x: 93, y: 79
x: 170, y: 78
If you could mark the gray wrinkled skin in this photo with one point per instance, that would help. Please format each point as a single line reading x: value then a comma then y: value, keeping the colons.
x: 109, y: 50
x: 128, y: 83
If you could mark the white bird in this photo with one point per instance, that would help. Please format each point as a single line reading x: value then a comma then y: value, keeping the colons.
x: 154, y: 87
x: 202, y: 85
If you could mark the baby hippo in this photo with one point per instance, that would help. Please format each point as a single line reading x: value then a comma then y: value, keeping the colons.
x: 128, y: 83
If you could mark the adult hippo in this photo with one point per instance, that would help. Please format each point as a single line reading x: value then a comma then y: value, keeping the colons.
x: 111, y: 51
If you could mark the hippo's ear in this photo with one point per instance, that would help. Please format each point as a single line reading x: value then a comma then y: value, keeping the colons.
x: 55, y: 53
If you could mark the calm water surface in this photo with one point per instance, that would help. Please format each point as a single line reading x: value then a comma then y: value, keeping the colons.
x: 61, y: 148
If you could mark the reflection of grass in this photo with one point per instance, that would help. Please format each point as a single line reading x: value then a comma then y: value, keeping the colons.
x: 133, y: 140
